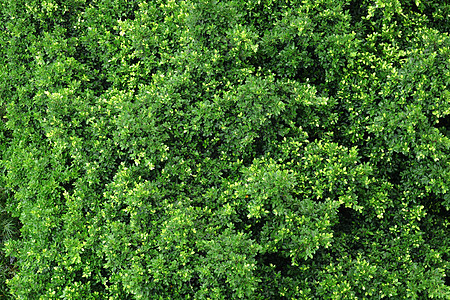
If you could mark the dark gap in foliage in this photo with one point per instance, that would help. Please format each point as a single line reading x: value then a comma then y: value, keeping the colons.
x: 100, y: 84
x: 346, y: 218
x: 247, y: 159
x: 364, y: 159
x: 282, y: 264
x: 193, y: 283
x: 256, y: 60
x: 122, y: 216
x: 68, y: 186
x: 69, y: 18
x: 363, y: 145
x: 411, y: 6
x: 280, y: 130
x: 78, y: 275
x: 5, y: 134
x: 201, y: 253
x: 313, y: 134
x: 315, y: 73
x: 260, y: 146
x: 134, y: 60
x: 144, y: 173
x: 330, y: 89
x: 213, y: 150
x: 357, y: 9
x: 421, y: 295
x: 368, y: 136
x: 40, y: 26
x: 242, y: 222
x: 66, y: 118
x: 433, y: 205
x: 207, y: 148
x: 444, y: 125
x: 130, y: 14
x: 257, y: 226
x: 123, y: 158
x: 226, y: 173
x: 396, y: 167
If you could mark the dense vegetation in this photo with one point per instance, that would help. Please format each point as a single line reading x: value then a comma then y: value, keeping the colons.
x: 225, y: 149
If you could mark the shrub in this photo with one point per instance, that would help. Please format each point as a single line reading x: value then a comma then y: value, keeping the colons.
x: 226, y: 149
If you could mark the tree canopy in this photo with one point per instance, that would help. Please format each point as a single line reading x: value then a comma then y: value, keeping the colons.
x: 225, y: 149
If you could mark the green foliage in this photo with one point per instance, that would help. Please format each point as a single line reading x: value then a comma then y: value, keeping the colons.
x: 225, y: 149
x: 9, y: 230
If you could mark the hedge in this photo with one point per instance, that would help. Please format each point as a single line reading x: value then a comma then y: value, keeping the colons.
x: 225, y: 149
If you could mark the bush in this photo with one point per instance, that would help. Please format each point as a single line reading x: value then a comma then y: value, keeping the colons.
x: 226, y: 149
x: 9, y: 229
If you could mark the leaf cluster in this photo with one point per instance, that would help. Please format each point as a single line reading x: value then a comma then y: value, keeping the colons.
x: 225, y: 149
